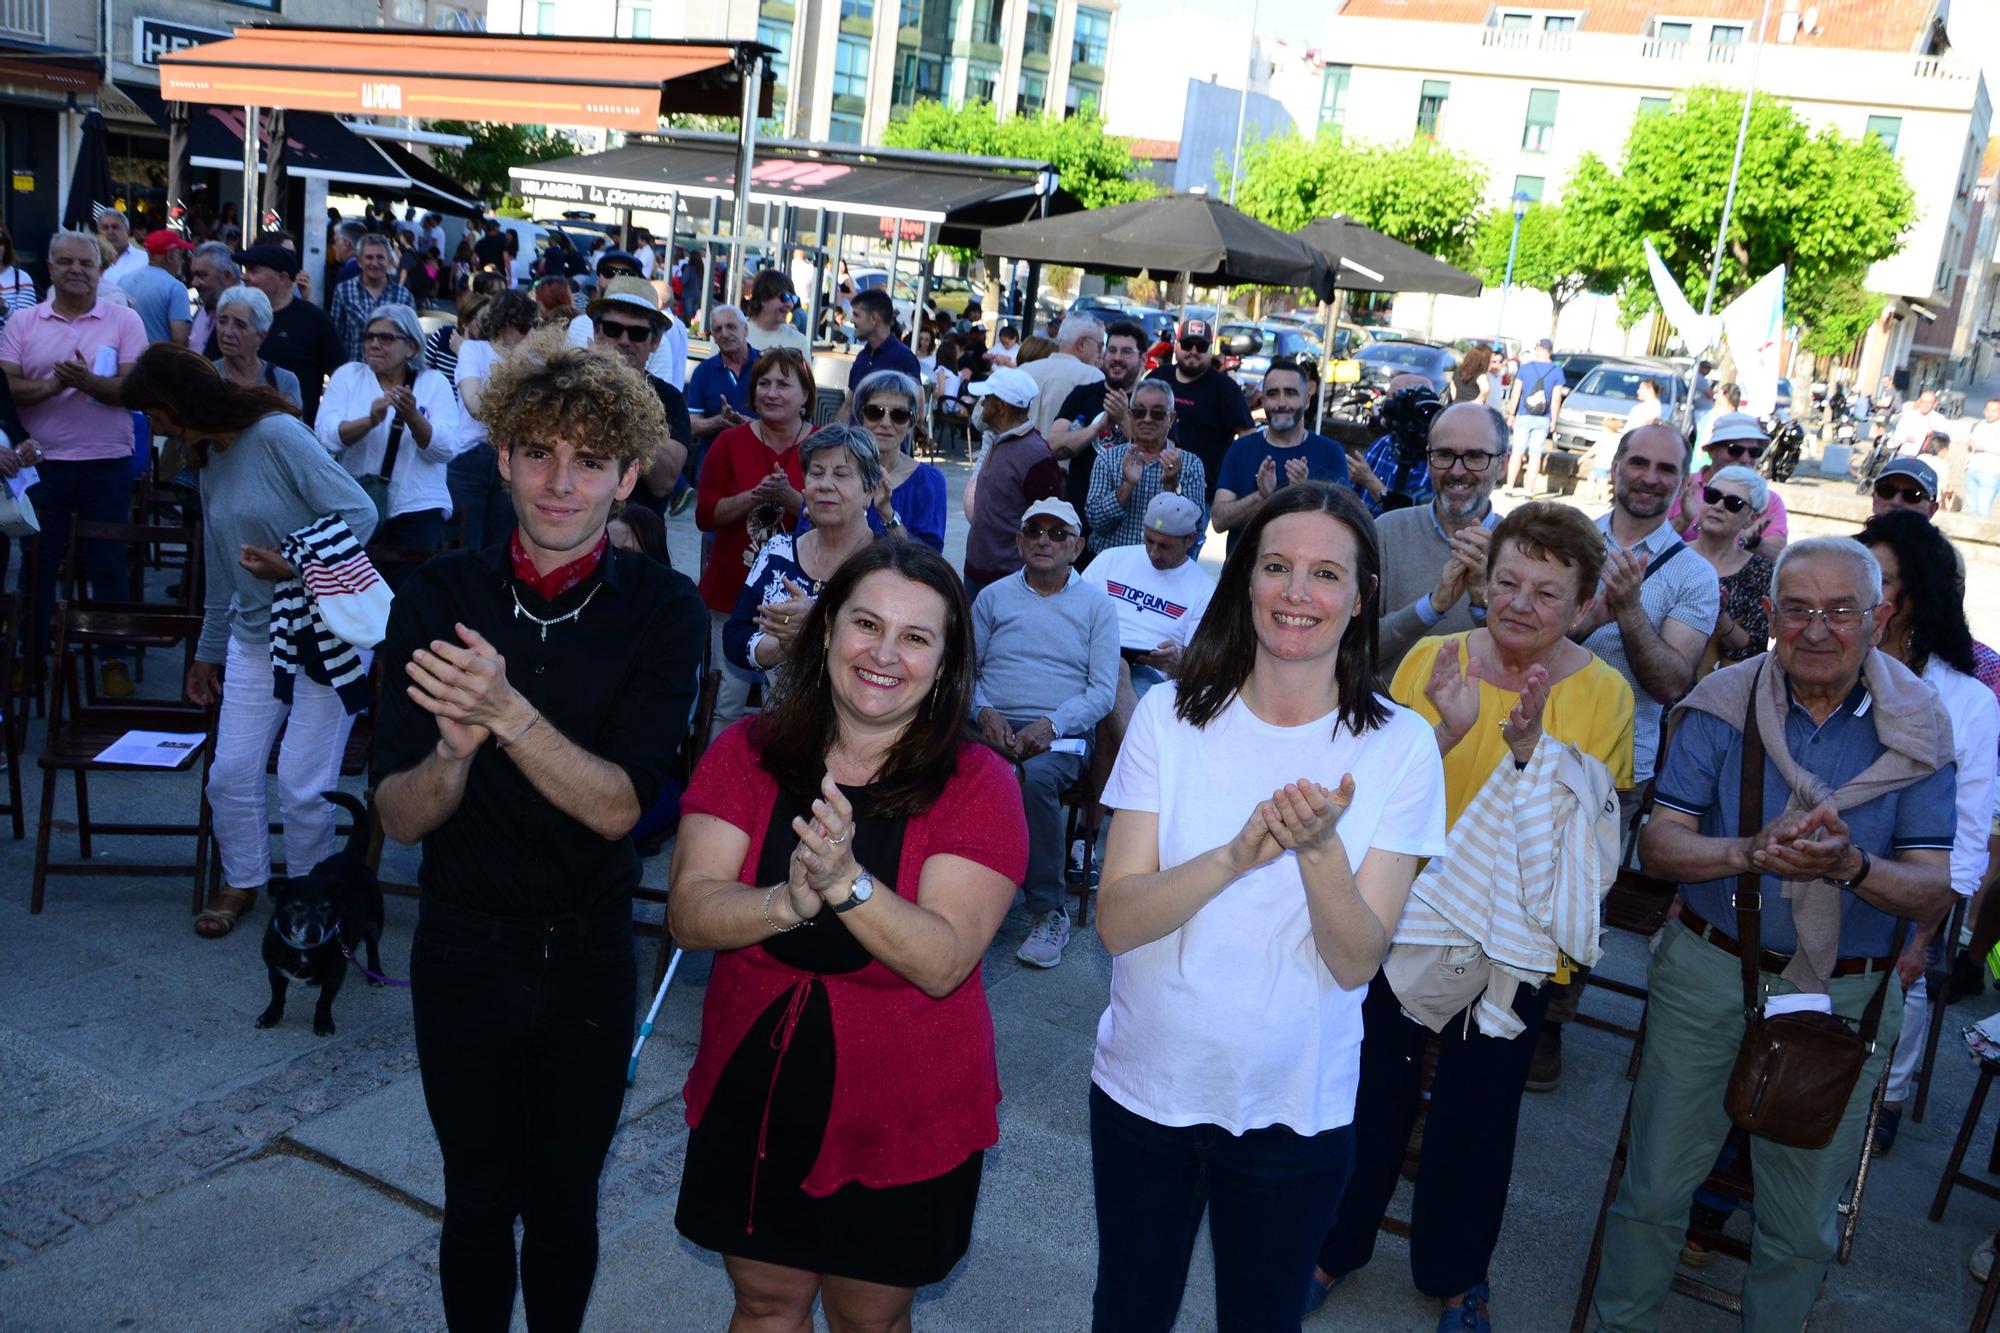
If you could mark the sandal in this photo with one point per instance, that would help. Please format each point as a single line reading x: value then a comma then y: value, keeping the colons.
x: 219, y: 917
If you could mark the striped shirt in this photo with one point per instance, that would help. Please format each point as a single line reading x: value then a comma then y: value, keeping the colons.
x: 352, y: 305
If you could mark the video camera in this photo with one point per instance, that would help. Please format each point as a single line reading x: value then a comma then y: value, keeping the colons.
x: 1405, y: 417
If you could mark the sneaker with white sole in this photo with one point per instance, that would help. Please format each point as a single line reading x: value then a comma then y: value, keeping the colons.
x: 1981, y: 1263
x: 1045, y: 943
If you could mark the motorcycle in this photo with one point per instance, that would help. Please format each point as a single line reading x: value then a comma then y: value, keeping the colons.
x: 1788, y: 440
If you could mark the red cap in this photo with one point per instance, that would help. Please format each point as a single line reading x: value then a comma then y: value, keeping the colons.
x: 160, y: 240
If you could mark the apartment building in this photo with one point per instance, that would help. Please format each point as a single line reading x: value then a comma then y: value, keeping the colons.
x: 1530, y: 88
x: 845, y: 68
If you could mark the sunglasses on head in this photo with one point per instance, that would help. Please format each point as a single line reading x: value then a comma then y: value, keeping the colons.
x: 1741, y: 449
x: 876, y: 411
x: 1909, y: 495
x: 1735, y: 504
x: 612, y: 331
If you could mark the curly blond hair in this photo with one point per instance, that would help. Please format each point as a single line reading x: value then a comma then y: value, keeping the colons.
x: 547, y: 389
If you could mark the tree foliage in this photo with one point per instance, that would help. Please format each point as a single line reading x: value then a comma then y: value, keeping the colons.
x: 1823, y: 205
x: 1418, y: 192
x: 1565, y: 251
x: 482, y: 164
x: 1094, y: 166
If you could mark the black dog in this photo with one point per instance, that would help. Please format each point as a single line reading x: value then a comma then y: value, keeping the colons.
x: 318, y: 919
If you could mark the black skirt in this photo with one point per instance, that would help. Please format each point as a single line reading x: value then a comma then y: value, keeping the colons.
x: 781, y: 1091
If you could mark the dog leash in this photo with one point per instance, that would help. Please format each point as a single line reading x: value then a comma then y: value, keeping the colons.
x: 368, y: 971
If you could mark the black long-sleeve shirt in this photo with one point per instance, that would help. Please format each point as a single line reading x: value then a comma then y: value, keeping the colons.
x: 619, y: 680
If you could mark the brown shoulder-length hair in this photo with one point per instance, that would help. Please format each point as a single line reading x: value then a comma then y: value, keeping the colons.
x: 1218, y: 659
x: 186, y: 386
x: 786, y: 360
x: 792, y: 736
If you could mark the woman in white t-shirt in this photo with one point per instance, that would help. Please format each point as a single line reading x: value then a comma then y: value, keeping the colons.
x: 1272, y: 809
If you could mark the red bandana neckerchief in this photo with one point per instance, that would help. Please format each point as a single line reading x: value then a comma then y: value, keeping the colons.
x: 562, y: 578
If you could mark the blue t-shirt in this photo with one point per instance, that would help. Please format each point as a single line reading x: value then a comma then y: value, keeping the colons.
x: 158, y: 298
x: 713, y: 383
x: 1702, y: 776
x: 1543, y: 377
x: 893, y: 355
x: 1325, y: 461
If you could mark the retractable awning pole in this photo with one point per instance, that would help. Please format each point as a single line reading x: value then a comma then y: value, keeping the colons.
x: 746, y: 161
x: 248, y: 218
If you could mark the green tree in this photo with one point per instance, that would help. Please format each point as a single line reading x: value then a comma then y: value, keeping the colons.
x: 1566, y: 249
x: 1418, y: 192
x: 482, y: 164
x: 1094, y: 166
x: 1823, y: 205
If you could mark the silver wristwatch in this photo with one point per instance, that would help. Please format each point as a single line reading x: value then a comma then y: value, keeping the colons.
x: 862, y: 890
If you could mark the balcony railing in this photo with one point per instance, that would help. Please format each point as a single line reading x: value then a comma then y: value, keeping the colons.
x: 1524, y: 39
x: 25, y: 18
x: 1660, y: 48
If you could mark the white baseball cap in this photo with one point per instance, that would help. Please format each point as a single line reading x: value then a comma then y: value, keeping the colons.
x: 1059, y: 509
x: 1009, y: 386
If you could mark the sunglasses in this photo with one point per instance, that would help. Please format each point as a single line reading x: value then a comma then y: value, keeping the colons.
x: 1194, y: 344
x: 1735, y: 504
x: 1909, y: 495
x: 1740, y: 449
x: 633, y: 333
x: 876, y: 411
x: 1055, y: 532
x: 1148, y: 413
x: 373, y: 337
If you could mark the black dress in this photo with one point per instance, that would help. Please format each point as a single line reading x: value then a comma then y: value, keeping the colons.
x: 733, y: 1204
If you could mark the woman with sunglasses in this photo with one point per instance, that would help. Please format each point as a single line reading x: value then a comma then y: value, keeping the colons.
x: 389, y: 420
x: 910, y: 500
x: 17, y: 289
x: 1733, y: 437
x: 1732, y: 502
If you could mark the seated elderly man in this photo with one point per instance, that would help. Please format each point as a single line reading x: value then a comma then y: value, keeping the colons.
x: 1047, y: 648
x: 1129, y: 474
x: 1856, y: 821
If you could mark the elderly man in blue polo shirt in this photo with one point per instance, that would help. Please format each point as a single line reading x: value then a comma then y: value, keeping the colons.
x: 1858, y: 792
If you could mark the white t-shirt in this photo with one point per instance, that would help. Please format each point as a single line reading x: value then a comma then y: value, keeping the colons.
x: 1233, y: 1019
x: 1153, y: 605
x: 476, y: 359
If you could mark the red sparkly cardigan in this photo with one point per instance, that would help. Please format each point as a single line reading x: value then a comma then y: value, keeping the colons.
x: 916, y: 1083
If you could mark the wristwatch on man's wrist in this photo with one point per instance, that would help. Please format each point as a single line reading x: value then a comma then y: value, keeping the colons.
x: 862, y: 890
x: 1867, y: 864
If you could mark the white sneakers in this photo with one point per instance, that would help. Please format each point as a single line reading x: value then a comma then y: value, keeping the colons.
x: 1045, y: 943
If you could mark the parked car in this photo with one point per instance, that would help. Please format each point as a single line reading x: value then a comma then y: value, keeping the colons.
x: 1596, y: 406
x: 1383, y: 361
x: 1155, y: 321
x: 1247, y: 350
x: 1575, y: 365
x: 1104, y: 308
x: 905, y: 295
x: 949, y: 295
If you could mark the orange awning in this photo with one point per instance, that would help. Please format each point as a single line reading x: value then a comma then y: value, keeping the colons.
x: 617, y: 84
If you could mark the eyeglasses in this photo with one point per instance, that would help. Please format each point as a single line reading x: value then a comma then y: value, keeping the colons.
x: 1442, y: 459
x: 1735, y: 504
x: 377, y: 338
x: 1837, y: 619
x: 613, y: 332
x: 1909, y: 495
x: 1740, y: 449
x: 1055, y: 532
x: 1149, y: 413
x: 876, y: 411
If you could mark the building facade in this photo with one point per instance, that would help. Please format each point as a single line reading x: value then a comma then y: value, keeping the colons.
x: 846, y: 68
x: 1530, y: 88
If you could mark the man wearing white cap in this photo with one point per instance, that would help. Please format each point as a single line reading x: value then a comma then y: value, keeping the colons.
x: 1046, y: 644
x: 1020, y: 469
x: 627, y: 322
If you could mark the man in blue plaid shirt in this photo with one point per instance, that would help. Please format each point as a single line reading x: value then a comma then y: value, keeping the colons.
x: 359, y: 297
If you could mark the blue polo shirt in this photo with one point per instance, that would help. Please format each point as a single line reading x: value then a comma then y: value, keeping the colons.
x: 712, y: 383
x: 1702, y: 777
x: 893, y: 355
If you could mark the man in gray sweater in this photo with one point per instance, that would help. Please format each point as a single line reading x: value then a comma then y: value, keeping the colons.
x: 1047, y: 645
x: 1434, y: 555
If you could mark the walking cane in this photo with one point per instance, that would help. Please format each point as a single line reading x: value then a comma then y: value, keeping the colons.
x: 646, y: 1028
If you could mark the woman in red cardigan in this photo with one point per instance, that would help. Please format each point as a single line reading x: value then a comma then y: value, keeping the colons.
x: 849, y: 857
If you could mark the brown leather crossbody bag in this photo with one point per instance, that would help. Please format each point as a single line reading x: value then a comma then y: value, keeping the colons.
x: 1795, y: 1073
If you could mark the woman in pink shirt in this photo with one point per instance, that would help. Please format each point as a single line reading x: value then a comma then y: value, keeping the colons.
x: 1737, y: 438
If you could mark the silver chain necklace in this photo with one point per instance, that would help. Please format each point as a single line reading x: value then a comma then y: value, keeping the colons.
x: 520, y: 611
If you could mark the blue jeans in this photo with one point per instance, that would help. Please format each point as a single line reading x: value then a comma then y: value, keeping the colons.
x: 1980, y: 489
x: 1531, y: 434
x: 95, y: 491
x: 479, y: 497
x: 1145, y: 678
x: 1270, y: 1195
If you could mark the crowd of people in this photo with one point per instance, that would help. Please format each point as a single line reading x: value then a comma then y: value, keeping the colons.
x: 1366, y: 786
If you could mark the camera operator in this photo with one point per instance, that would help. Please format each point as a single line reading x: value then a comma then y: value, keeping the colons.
x: 1283, y: 452
x: 1397, y: 457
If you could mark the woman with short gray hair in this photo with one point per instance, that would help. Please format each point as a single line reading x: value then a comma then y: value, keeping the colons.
x: 1733, y: 502
x: 842, y: 471
x: 911, y: 499
x: 242, y: 322
x: 393, y: 424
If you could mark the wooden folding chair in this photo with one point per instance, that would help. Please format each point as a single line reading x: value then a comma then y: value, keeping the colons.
x: 80, y: 729
x: 691, y: 751
x: 14, y: 725
x: 1083, y: 819
x: 1937, y: 985
x: 142, y: 543
x: 1638, y: 903
x: 1954, y: 1174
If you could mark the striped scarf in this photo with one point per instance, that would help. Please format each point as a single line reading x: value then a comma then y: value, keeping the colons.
x: 329, y: 562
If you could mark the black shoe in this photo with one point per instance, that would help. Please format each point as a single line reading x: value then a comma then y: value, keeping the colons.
x: 1886, y: 1125
x: 1968, y: 978
x: 1546, y: 1069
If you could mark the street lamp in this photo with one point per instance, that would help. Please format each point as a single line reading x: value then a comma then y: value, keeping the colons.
x: 1521, y: 202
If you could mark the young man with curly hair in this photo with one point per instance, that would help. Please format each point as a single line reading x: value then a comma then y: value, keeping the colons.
x: 533, y: 696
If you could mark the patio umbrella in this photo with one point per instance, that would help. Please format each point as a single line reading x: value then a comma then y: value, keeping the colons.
x: 1197, y: 236
x: 274, y: 177
x: 90, y: 187
x: 1368, y: 261
x: 180, y: 156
